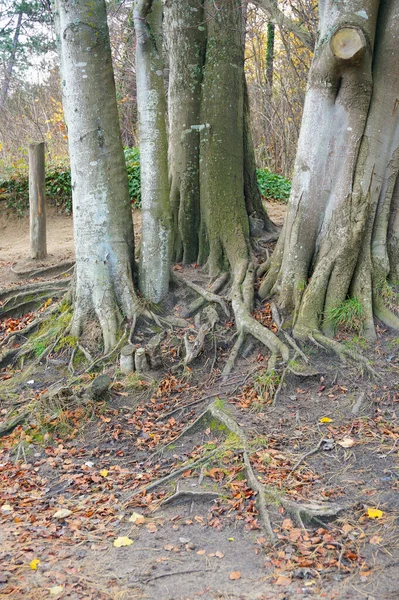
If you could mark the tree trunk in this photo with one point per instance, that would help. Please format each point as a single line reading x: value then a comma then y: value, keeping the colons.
x: 37, y: 201
x: 186, y: 49
x: 198, y: 108
x: 156, y: 215
x: 103, y: 225
x: 344, y: 202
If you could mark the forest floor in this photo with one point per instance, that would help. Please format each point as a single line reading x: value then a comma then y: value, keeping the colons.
x: 80, y: 520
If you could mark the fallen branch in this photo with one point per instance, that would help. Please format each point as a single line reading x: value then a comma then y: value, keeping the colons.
x: 313, y: 451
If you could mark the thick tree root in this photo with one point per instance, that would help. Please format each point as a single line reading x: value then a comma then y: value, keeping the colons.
x: 21, y: 292
x: 171, y: 476
x: 215, y: 416
x: 341, y: 351
x: 189, y: 496
x: 60, y: 269
x: 207, y: 295
x: 242, y: 302
x: 9, y: 426
x: 193, y: 350
x: 198, y: 303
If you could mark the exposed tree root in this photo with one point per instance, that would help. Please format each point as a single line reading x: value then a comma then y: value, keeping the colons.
x: 215, y: 416
x: 61, y: 268
x: 9, y: 426
x: 189, y: 496
x: 193, y: 350
x: 198, y: 303
x: 342, y: 351
x: 207, y: 295
x: 21, y: 292
x: 229, y: 366
x: 242, y: 302
x: 385, y: 315
x: 171, y: 476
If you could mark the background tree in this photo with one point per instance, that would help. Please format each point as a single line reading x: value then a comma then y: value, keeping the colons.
x: 23, y: 35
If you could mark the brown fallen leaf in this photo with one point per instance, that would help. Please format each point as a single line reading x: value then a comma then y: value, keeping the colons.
x: 281, y: 580
x: 235, y: 575
x: 376, y: 540
x: 346, y: 443
x: 219, y: 554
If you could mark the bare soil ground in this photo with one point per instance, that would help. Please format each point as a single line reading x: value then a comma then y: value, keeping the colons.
x: 332, y: 436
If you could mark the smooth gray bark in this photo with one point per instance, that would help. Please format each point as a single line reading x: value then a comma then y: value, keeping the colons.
x: 37, y: 201
x: 343, y: 199
x: 155, y: 251
x: 103, y: 225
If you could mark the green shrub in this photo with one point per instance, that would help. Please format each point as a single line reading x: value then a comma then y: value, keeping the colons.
x: 132, y: 158
x: 59, y: 193
x: 273, y: 186
x: 58, y: 186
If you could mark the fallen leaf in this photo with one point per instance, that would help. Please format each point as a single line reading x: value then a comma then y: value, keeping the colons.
x: 281, y: 580
x: 56, y: 590
x: 376, y: 540
x: 122, y: 541
x: 168, y: 547
x: 346, y: 443
x: 235, y: 575
x: 230, y: 539
x: 137, y: 518
x: 104, y: 473
x: 219, y: 554
x: 325, y: 420
x: 201, y: 552
x: 374, y: 513
x: 346, y: 528
x: 6, y: 508
x: 62, y: 513
x: 34, y: 564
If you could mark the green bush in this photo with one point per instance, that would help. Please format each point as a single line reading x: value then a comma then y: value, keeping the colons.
x: 59, y: 194
x: 273, y: 186
x: 132, y: 158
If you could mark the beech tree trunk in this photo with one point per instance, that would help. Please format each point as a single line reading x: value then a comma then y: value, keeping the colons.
x: 103, y: 225
x: 208, y: 123
x: 155, y: 250
x: 341, y: 237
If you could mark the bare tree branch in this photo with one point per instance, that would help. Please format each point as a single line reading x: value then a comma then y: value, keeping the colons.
x: 277, y: 17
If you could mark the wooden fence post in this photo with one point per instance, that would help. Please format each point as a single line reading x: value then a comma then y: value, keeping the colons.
x: 37, y: 201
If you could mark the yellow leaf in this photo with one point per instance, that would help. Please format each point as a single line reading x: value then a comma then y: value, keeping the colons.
x: 34, y: 564
x: 104, y: 473
x: 325, y: 420
x: 56, y: 590
x: 374, y: 513
x: 137, y: 518
x: 122, y: 541
x: 230, y: 539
